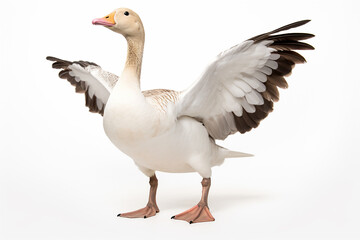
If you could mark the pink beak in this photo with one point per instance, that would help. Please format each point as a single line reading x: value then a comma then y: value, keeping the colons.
x: 102, y: 21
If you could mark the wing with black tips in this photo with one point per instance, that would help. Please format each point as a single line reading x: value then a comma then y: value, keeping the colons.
x: 238, y: 89
x: 88, y: 78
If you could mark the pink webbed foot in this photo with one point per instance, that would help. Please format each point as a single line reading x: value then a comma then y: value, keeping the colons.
x: 196, y: 214
x: 151, y: 208
x: 145, y: 212
x: 200, y: 212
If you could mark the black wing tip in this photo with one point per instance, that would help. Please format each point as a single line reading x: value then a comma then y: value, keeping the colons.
x: 310, y: 47
x: 302, y: 22
x: 309, y: 35
x: 298, y: 23
x: 281, y: 29
x: 290, y: 26
x: 53, y: 59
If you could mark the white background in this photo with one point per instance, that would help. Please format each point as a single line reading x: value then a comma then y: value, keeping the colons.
x: 61, y: 178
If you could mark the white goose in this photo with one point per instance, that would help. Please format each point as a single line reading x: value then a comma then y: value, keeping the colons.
x: 170, y: 131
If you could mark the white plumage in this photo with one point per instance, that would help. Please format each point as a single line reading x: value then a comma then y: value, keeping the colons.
x: 170, y: 131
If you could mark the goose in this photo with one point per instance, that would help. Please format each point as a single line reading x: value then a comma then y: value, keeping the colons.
x: 175, y: 131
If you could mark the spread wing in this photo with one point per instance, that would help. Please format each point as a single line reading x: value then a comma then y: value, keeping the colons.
x: 88, y: 78
x: 238, y: 89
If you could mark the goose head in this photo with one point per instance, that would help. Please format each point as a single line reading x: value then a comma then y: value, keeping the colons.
x: 123, y: 21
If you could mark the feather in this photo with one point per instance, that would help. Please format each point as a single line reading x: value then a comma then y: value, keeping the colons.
x: 284, y: 28
x: 254, y: 98
x: 258, y: 115
x: 292, y: 56
x: 260, y: 76
x: 253, y: 82
x: 249, y: 121
x: 266, y: 107
x: 291, y: 45
x: 272, y: 64
x: 271, y: 93
x: 241, y: 125
x: 261, y: 88
x: 238, y: 112
x: 248, y: 107
x: 88, y: 78
x: 277, y: 80
x: 266, y: 70
x: 290, y: 36
x: 234, y: 90
x: 243, y: 86
x: 284, y: 66
x: 274, y: 56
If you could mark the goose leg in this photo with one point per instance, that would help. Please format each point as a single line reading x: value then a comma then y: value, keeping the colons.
x: 200, y: 212
x: 151, y: 207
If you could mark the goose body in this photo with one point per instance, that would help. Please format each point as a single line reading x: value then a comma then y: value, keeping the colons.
x: 171, y: 131
x: 154, y: 137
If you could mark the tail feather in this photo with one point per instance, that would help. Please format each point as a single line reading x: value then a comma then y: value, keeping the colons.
x: 233, y: 154
x: 226, y: 153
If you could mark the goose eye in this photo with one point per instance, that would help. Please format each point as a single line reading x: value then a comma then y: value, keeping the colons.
x: 126, y: 13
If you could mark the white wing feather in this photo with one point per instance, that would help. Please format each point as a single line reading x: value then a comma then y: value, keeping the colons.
x: 94, y: 81
x: 231, y: 84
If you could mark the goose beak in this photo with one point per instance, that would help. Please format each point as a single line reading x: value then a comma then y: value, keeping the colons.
x: 107, y: 21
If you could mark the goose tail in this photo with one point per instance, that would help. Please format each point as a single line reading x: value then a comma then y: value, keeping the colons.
x: 226, y: 153
x: 233, y: 154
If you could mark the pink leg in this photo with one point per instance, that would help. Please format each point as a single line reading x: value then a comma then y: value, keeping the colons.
x: 151, y: 208
x: 200, y: 212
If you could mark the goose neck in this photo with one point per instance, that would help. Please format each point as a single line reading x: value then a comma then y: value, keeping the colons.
x: 134, y: 55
